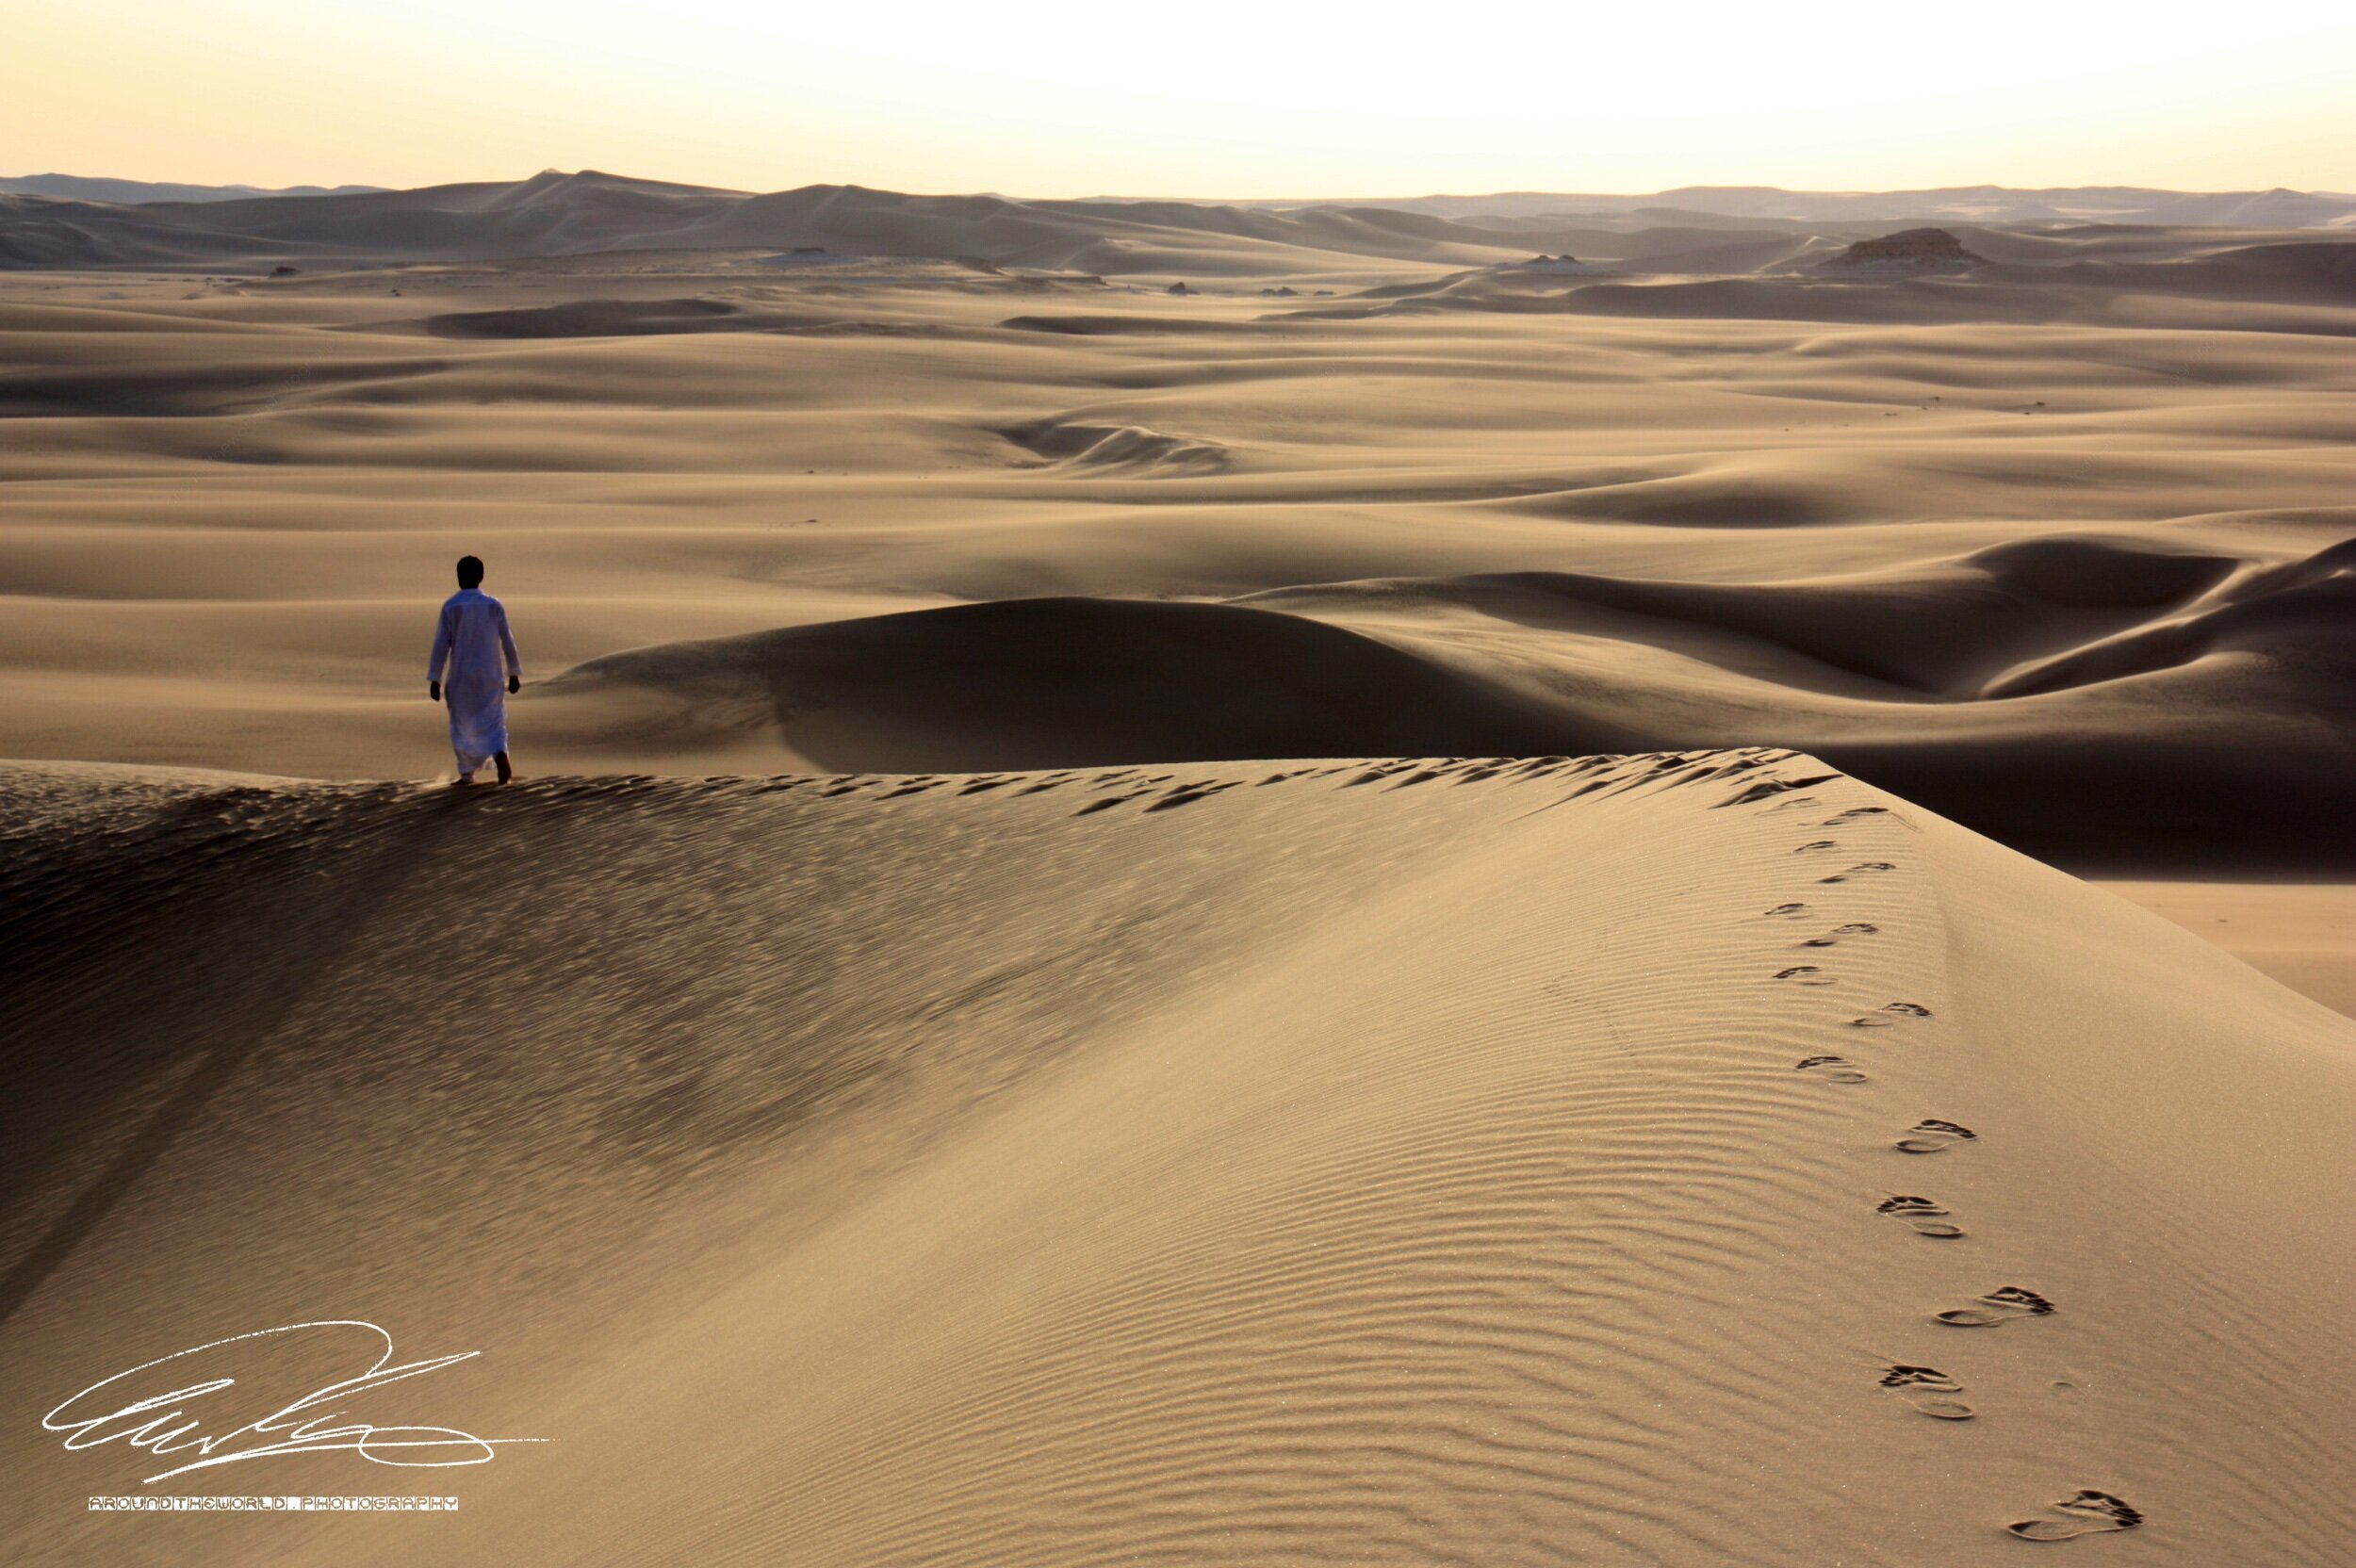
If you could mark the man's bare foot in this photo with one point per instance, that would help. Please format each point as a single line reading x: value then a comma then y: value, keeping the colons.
x: 462, y: 781
x: 507, y: 771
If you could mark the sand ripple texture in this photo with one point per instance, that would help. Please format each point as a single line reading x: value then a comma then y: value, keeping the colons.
x: 1392, y: 1161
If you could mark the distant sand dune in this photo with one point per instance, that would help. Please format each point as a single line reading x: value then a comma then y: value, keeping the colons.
x: 2298, y: 616
x: 2005, y: 688
x: 553, y: 213
x: 1941, y: 635
x: 592, y: 319
x: 1091, y: 325
x: 2061, y: 555
x: 1124, y: 446
x: 1064, y: 682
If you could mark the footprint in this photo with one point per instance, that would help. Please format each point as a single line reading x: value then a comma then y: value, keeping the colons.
x: 1813, y: 848
x: 1856, y: 812
x: 1832, y: 938
x: 2087, y: 1514
x: 1890, y: 1014
x: 1866, y: 868
x: 1805, y: 974
x: 1921, y: 1217
x: 1998, y: 1306
x: 1833, y: 1069
x: 1785, y: 910
x: 1931, y: 1135
x: 1928, y: 1390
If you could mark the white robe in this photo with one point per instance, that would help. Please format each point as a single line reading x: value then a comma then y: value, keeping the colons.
x: 473, y: 640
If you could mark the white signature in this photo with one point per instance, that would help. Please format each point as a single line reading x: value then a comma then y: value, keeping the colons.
x: 161, y: 1422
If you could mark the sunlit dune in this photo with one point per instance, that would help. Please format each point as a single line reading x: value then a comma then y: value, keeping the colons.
x: 1533, y: 1159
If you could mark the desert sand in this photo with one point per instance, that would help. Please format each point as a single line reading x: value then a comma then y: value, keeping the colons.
x: 1414, y: 902
x: 1401, y: 1161
x: 2303, y: 933
x: 2070, y: 527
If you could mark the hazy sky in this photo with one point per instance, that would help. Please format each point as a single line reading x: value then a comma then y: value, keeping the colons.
x: 1186, y: 97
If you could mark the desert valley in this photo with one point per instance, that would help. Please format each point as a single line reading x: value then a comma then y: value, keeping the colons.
x: 1498, y: 879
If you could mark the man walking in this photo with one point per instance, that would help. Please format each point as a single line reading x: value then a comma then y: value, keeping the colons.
x: 472, y: 640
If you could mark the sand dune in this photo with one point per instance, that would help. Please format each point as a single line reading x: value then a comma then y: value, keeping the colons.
x: 1719, y: 203
x: 2293, y: 616
x: 1541, y: 1160
x: 2008, y: 687
x: 85, y: 188
x: 1128, y: 447
x: 1052, y: 682
x: 840, y: 514
x: 557, y: 213
x: 2125, y: 204
x: 2247, y: 299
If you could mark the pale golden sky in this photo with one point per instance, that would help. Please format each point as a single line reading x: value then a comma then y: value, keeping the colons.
x: 1186, y: 97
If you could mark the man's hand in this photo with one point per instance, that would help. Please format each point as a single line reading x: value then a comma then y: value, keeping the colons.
x: 433, y: 690
x: 514, y: 684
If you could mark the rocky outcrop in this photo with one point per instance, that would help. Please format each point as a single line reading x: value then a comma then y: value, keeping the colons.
x: 1909, y: 248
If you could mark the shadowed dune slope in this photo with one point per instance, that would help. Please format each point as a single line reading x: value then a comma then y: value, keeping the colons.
x: 1393, y: 1161
x: 1058, y: 682
x: 1940, y: 633
x: 593, y: 318
x: 2090, y: 700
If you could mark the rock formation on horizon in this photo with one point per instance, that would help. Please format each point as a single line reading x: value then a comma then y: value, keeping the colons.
x: 1910, y: 248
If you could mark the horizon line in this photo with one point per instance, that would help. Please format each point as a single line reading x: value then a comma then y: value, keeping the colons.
x: 317, y: 190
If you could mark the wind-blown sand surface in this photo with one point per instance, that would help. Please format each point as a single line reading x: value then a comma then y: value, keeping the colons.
x: 1309, y: 1162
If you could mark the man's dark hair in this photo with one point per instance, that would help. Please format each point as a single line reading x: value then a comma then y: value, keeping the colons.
x: 469, y: 572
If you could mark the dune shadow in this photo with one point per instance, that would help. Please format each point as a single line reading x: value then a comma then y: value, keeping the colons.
x: 268, y: 993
